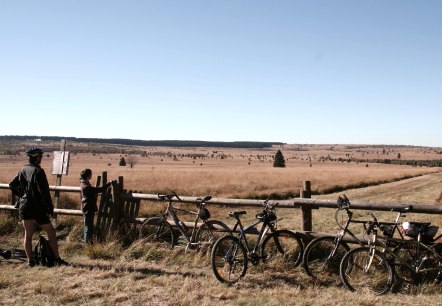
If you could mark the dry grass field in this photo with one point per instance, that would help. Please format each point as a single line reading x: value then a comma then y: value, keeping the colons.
x: 145, y: 274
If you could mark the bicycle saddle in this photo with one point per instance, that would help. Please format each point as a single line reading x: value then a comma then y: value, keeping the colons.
x: 236, y: 214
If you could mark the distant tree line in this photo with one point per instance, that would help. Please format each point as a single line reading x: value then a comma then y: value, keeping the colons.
x: 152, y: 143
x: 410, y: 162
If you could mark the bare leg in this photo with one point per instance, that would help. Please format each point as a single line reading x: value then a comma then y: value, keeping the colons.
x: 52, y: 237
x: 27, y: 242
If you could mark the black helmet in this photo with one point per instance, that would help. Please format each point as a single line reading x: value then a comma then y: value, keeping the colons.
x: 34, y: 151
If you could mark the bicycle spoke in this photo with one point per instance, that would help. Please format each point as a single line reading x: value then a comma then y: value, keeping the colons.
x: 158, y: 230
x: 229, y: 260
x: 321, y: 263
x: 362, y: 271
x: 282, y: 251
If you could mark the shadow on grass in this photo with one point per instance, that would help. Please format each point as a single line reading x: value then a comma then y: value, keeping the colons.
x: 145, y: 271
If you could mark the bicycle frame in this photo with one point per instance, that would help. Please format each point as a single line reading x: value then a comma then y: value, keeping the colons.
x: 171, y: 211
x: 345, y: 229
x: 266, y: 226
x: 411, y: 244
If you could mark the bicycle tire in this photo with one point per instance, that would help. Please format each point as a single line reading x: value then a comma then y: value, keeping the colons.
x: 209, y: 233
x: 157, y: 229
x: 378, y: 279
x: 228, y: 260
x: 437, y: 247
x: 282, y: 250
x: 318, y: 262
x: 430, y: 269
x: 404, y: 277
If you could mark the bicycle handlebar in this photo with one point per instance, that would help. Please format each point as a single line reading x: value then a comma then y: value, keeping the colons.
x: 343, y: 202
x: 169, y: 196
x: 269, y: 206
x: 205, y: 199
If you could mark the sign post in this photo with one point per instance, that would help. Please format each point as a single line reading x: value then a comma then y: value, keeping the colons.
x: 60, y: 166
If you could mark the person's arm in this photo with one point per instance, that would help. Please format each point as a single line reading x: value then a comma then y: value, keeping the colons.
x: 43, y: 185
x: 14, y: 184
x: 102, y: 188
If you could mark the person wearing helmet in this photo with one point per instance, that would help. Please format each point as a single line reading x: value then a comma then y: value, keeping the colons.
x: 88, y: 194
x: 35, y: 203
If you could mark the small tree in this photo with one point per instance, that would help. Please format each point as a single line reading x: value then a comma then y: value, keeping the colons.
x: 132, y: 160
x: 122, y: 161
x: 279, y: 160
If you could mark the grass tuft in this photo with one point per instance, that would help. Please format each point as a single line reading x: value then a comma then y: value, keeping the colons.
x: 8, y: 223
x: 106, y: 251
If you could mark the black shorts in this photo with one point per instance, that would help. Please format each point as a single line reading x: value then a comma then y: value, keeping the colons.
x: 30, y: 213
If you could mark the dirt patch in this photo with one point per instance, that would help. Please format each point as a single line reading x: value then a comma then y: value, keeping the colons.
x: 425, y: 189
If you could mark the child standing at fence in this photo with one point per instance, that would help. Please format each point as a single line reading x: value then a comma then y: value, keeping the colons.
x: 89, y: 202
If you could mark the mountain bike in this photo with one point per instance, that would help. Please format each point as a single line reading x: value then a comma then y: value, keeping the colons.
x: 376, y: 266
x: 323, y: 255
x: 158, y: 228
x: 280, y: 249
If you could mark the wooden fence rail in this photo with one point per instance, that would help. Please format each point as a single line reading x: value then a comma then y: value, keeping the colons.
x: 305, y: 203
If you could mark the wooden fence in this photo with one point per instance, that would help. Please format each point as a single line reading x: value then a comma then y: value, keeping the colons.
x: 123, y: 205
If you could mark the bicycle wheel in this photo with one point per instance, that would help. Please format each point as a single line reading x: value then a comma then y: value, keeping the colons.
x: 430, y: 267
x: 228, y: 259
x: 361, y: 270
x: 282, y: 250
x: 438, y: 249
x: 318, y: 261
x: 404, y: 276
x: 159, y: 230
x: 210, y: 232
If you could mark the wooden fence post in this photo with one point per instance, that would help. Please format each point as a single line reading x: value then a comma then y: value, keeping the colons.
x: 115, y: 206
x: 121, y: 182
x: 306, y: 193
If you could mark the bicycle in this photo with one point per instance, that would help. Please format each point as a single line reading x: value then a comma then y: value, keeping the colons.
x: 323, y: 255
x: 376, y: 266
x: 13, y: 253
x: 158, y: 228
x: 281, y: 249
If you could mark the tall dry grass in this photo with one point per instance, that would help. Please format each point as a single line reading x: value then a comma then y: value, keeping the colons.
x: 146, y: 274
x: 235, y: 177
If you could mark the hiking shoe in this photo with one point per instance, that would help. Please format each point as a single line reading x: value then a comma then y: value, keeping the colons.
x: 31, y: 263
x: 60, y: 262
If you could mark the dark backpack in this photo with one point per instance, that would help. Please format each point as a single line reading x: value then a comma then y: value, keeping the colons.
x: 43, y: 253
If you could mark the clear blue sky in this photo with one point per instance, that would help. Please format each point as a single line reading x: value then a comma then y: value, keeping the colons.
x: 353, y: 72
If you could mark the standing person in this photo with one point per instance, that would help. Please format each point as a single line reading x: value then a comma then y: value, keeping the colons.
x: 89, y: 202
x: 35, y: 203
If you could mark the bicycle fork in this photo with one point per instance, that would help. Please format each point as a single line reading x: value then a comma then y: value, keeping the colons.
x: 371, y: 252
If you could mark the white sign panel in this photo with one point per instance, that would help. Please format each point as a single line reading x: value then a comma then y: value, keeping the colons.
x: 60, y: 164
